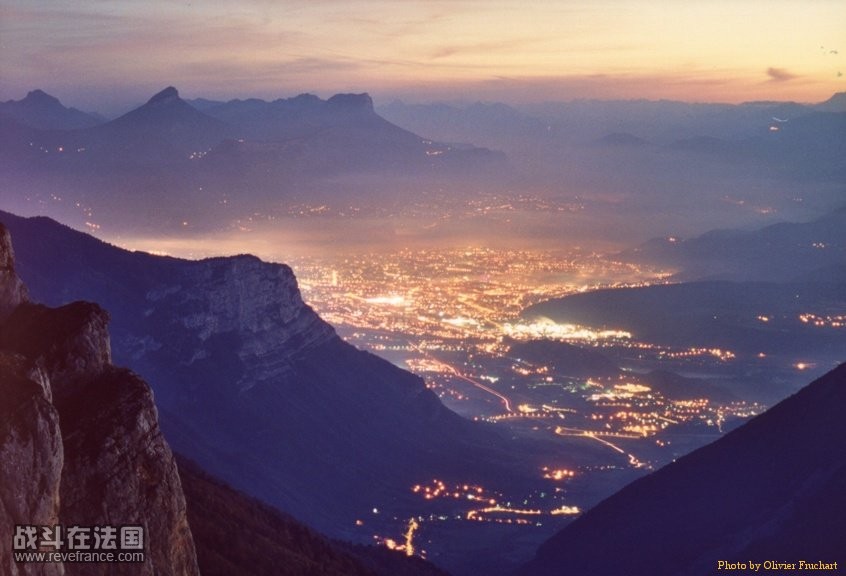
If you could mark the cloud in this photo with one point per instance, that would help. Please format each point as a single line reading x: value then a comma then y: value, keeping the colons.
x: 780, y: 75
x: 511, y: 45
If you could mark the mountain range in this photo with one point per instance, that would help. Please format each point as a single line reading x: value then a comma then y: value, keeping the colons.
x: 227, y: 162
x: 662, y: 122
x: 782, y: 252
x: 751, y: 292
x: 640, y: 168
x: 800, y: 141
x: 757, y: 323
x: 708, y: 314
x: 169, y: 129
x: 42, y: 111
x: 178, y: 166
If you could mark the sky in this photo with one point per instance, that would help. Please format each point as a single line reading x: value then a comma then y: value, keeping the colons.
x: 104, y: 55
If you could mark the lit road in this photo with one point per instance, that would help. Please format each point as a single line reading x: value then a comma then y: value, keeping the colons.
x: 561, y: 431
x: 633, y: 461
x: 454, y: 371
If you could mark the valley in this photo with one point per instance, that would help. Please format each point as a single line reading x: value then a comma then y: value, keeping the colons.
x: 617, y: 404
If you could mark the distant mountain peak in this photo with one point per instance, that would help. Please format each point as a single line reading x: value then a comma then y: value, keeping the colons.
x: 39, y: 96
x: 169, y: 93
x: 43, y: 111
x: 352, y: 101
x: 837, y: 103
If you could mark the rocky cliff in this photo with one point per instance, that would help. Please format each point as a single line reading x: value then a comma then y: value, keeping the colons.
x: 12, y: 290
x: 260, y: 302
x: 80, y: 443
x: 31, y: 457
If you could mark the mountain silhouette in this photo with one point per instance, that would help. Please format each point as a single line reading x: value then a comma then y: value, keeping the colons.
x: 165, y: 129
x: 837, y: 103
x: 172, y: 162
x: 44, y: 112
x: 306, y: 134
x: 786, y: 251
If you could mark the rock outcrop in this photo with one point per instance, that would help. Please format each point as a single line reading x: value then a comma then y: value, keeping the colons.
x: 12, y: 290
x: 31, y: 458
x: 258, y: 301
x: 80, y: 443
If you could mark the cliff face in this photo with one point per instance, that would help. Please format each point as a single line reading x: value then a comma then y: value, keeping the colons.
x: 12, y: 290
x: 221, y: 297
x: 80, y: 442
x: 31, y: 457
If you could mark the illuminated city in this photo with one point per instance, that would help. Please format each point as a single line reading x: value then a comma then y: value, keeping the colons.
x: 454, y: 316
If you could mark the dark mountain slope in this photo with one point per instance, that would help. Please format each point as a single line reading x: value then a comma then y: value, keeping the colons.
x: 837, y: 103
x: 236, y: 534
x: 774, y: 489
x: 711, y: 315
x: 80, y: 445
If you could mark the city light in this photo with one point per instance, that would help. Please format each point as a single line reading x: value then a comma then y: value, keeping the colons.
x: 546, y: 328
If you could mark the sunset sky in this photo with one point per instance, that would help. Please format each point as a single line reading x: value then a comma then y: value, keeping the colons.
x: 108, y: 55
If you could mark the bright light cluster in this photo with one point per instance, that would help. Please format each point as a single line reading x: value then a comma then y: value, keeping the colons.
x: 546, y: 328
x: 830, y: 321
x: 557, y: 473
